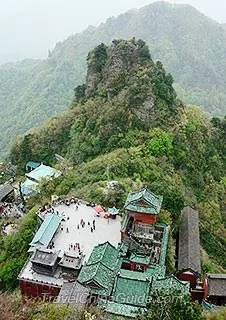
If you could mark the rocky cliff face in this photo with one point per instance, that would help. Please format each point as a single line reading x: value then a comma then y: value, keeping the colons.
x: 128, y: 76
x: 95, y: 62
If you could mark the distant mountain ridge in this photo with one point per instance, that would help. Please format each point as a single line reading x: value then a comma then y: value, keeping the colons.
x: 191, y: 46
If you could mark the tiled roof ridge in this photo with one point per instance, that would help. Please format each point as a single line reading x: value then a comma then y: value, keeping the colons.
x: 146, y: 191
x: 47, y: 224
x: 98, y: 263
x: 105, y: 245
x: 189, y: 218
x: 188, y: 242
x: 134, y: 279
x: 175, y: 278
x: 216, y: 275
x: 89, y: 279
x: 50, y: 218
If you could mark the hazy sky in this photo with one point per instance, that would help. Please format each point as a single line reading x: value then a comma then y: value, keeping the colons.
x: 28, y: 28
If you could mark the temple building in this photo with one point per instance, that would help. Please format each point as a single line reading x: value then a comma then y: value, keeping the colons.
x: 122, y: 279
x: 101, y: 269
x: 142, y: 208
x: 62, y: 245
x: 215, y: 288
x: 36, y: 173
x: 189, y: 264
x: 69, y: 259
x: 6, y: 193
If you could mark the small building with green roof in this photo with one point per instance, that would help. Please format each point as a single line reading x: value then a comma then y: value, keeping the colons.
x: 142, y: 206
x: 35, y: 176
x: 98, y: 278
x: 106, y: 254
x: 46, y: 231
x: 169, y: 285
x: 132, y: 288
x: 101, y: 269
x: 31, y: 165
x: 143, y: 201
x: 120, y: 309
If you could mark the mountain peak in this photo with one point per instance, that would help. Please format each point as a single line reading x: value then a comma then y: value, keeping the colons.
x: 110, y: 64
x: 124, y: 75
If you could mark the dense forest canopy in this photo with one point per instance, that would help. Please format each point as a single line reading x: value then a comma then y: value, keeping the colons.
x: 191, y: 46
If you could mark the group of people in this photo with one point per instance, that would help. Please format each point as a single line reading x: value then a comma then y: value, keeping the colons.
x: 75, y: 247
x: 9, y: 210
x: 91, y: 225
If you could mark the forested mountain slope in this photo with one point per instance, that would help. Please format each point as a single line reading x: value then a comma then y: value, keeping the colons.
x: 191, y: 46
x: 127, y: 124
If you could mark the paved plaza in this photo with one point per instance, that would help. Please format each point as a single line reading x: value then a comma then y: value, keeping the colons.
x: 69, y: 234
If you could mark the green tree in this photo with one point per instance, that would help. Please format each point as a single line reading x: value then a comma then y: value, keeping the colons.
x: 160, y: 143
x: 171, y: 307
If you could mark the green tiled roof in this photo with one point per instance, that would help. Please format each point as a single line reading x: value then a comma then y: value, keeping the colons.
x: 32, y: 164
x: 100, y: 275
x: 113, y: 211
x: 42, y: 172
x: 101, y: 268
x: 155, y: 271
x: 123, y: 248
x: 164, y: 244
x: 140, y: 259
x: 170, y: 284
x: 153, y: 202
x: 128, y: 290
x: 46, y: 231
x: 120, y: 309
x: 97, y: 273
x: 135, y: 275
x: 124, y: 223
x: 105, y: 253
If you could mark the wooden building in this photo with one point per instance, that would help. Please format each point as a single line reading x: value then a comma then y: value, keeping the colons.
x: 215, y: 288
x: 99, y: 272
x: 45, y: 261
x: 142, y: 207
x: 6, y: 193
x: 189, y: 265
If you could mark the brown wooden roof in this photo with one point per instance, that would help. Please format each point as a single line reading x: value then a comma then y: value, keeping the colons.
x: 5, y: 190
x: 189, y: 243
x: 216, y: 284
